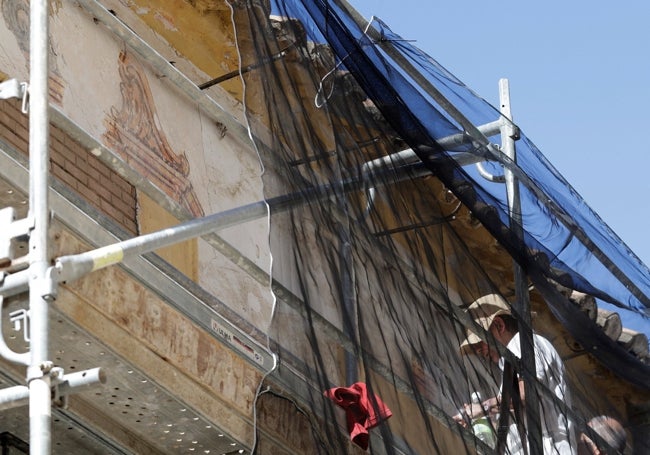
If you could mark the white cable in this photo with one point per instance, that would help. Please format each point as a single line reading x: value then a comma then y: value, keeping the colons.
x: 320, y: 85
x: 320, y: 88
x: 262, y: 169
x: 372, y: 19
x: 258, y: 393
x: 330, y: 72
x: 268, y: 231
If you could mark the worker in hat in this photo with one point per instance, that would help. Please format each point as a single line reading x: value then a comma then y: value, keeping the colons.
x: 493, y: 314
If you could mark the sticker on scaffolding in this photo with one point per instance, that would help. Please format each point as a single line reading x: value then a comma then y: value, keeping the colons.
x: 237, y: 342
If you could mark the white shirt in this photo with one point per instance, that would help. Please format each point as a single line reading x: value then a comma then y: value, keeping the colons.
x: 557, y: 431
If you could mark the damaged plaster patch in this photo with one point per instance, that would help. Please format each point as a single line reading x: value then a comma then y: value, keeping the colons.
x: 166, y: 21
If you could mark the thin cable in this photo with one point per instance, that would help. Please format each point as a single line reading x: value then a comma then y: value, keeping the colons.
x: 262, y: 172
x: 258, y: 393
x: 268, y: 231
x: 370, y: 21
x: 300, y: 409
x: 320, y: 84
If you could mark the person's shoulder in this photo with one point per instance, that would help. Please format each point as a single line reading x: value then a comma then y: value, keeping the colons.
x: 541, y: 338
x: 545, y: 345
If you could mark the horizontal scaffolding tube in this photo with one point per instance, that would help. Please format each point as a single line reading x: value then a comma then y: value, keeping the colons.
x: 81, y: 381
x: 13, y: 397
x: 14, y: 283
x: 69, y: 268
x: 447, y: 143
x: 16, y: 396
x: 72, y: 267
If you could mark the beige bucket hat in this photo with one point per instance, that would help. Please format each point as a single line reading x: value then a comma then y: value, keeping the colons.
x: 483, y: 311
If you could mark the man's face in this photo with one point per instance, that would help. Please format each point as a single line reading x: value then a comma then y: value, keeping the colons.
x: 489, y: 353
x: 498, y: 331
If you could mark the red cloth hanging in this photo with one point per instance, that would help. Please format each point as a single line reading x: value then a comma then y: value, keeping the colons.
x: 362, y: 411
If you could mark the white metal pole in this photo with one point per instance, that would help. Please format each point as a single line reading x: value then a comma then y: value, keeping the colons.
x: 522, y: 303
x: 40, y: 405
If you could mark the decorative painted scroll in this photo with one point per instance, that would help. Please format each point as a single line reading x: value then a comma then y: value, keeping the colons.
x: 135, y: 133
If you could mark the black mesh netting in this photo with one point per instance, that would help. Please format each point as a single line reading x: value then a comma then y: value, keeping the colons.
x: 377, y: 254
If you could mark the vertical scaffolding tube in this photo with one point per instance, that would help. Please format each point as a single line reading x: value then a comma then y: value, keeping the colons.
x: 349, y: 303
x: 522, y: 303
x: 39, y: 288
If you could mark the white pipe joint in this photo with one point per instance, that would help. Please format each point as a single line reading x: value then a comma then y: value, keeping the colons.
x: 80, y: 380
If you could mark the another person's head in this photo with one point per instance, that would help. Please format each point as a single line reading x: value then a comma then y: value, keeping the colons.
x: 492, y: 313
x: 609, y: 429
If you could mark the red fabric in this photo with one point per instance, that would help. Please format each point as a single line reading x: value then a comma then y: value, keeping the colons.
x: 362, y: 412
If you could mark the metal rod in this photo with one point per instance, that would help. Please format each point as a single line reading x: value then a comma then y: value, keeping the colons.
x: 347, y: 289
x: 16, y: 396
x: 245, y: 69
x: 522, y: 301
x: 14, y: 283
x: 69, y: 268
x: 13, y: 397
x: 40, y: 404
x: 72, y: 267
x: 448, y: 143
x: 85, y: 380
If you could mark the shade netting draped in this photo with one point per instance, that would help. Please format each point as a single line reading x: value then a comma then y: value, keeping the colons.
x: 388, y: 249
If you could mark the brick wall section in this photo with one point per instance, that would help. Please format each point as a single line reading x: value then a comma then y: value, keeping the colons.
x: 76, y: 167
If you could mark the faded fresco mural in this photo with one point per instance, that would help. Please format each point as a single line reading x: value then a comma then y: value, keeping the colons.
x: 133, y: 130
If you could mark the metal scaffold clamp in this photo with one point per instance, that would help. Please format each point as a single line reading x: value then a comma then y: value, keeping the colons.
x: 65, y: 384
x: 61, y: 385
x: 39, y: 371
x: 12, y: 88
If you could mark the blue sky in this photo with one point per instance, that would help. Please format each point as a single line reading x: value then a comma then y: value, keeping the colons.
x: 579, y: 77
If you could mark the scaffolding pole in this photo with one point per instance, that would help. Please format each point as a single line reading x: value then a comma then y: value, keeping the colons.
x: 45, y: 383
x: 522, y: 301
x: 38, y: 377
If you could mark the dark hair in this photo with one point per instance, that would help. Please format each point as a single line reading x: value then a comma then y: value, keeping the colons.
x: 510, y: 323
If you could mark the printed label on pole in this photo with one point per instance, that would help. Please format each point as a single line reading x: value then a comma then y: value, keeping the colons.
x: 239, y: 344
